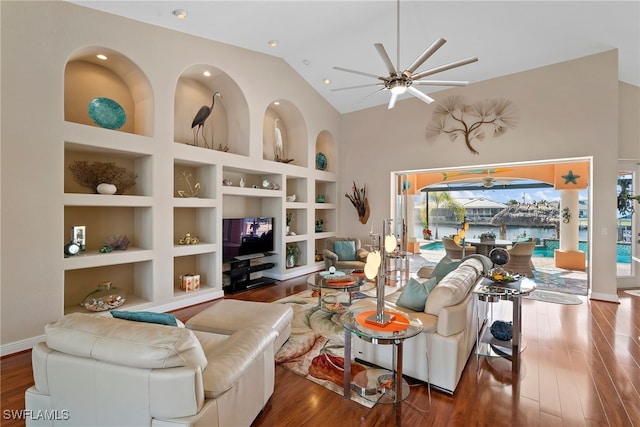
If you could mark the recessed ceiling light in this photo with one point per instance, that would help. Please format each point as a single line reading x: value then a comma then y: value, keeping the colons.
x: 326, y: 81
x: 306, y: 62
x: 273, y: 43
x: 180, y: 13
x: 276, y: 103
x: 102, y: 57
x: 207, y: 73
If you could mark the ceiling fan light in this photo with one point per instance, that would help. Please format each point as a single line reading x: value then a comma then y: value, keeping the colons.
x: 398, y: 88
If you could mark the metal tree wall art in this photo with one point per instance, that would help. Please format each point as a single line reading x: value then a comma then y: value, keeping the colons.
x: 359, y: 200
x: 456, y: 118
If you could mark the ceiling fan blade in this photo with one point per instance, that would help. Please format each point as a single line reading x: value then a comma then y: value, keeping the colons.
x: 358, y: 72
x: 392, y: 101
x: 425, y: 55
x: 357, y: 87
x: 372, y: 93
x: 440, y: 82
x: 415, y: 92
x: 385, y: 58
x: 444, y: 68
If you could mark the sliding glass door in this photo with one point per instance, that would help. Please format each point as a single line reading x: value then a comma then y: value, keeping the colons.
x: 628, y: 248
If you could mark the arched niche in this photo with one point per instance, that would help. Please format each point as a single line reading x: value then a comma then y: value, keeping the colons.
x: 326, y: 144
x: 227, y: 127
x: 87, y: 77
x: 293, y: 131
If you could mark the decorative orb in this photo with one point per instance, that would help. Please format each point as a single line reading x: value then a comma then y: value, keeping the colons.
x: 499, y: 256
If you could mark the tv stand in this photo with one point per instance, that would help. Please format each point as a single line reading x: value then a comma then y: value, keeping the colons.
x: 242, y: 273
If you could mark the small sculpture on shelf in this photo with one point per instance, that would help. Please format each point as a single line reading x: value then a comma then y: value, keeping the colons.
x: 188, y: 239
x: 200, y: 118
x: 192, y: 189
x: 289, y: 219
x: 117, y: 242
x: 279, y: 149
x: 93, y: 175
x: 269, y: 185
x: 319, y: 224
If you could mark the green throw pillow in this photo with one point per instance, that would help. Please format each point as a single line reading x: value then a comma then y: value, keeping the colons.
x: 414, y: 295
x: 346, y: 250
x: 146, y: 316
x: 444, y: 267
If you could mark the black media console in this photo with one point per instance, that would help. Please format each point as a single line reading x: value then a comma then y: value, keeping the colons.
x: 241, y: 274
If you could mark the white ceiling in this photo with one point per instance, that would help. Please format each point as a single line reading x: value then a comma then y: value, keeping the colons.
x: 314, y: 36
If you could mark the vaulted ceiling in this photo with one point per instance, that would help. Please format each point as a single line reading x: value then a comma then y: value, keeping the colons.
x: 314, y: 36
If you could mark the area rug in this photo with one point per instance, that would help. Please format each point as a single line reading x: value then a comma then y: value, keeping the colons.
x: 634, y: 292
x: 315, y: 349
x: 553, y: 297
x: 559, y: 281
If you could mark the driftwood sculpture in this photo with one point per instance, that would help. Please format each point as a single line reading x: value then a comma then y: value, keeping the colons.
x: 358, y: 198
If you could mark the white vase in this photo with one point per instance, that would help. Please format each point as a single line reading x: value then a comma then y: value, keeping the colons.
x: 105, y: 188
x: 291, y: 261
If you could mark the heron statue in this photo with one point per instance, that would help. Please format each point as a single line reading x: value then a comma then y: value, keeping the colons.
x: 198, y: 121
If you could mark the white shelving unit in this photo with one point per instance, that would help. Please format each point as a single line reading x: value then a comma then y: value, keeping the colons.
x: 179, y: 188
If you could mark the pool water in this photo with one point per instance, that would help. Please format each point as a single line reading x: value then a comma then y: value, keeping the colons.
x: 623, y: 255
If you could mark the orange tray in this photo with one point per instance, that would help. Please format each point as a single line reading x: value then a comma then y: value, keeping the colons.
x: 399, y: 323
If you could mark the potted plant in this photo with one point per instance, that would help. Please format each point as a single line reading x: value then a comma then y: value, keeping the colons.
x: 319, y: 223
x: 293, y: 251
x: 426, y: 233
x: 289, y: 219
x: 488, y: 236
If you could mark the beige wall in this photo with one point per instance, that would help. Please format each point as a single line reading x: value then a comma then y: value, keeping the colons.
x: 629, y: 123
x: 566, y: 110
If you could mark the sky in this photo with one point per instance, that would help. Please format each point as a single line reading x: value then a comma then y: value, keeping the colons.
x: 529, y: 195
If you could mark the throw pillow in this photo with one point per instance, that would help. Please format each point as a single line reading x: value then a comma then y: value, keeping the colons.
x: 345, y: 249
x: 414, y: 295
x: 146, y: 316
x: 425, y: 272
x: 444, y: 267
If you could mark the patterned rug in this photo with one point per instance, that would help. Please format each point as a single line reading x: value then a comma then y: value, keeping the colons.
x: 559, y: 280
x: 315, y: 349
x: 553, y: 297
x: 634, y: 292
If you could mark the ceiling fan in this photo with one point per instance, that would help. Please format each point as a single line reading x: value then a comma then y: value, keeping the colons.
x: 398, y: 82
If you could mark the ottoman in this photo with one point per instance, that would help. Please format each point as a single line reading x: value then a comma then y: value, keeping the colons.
x: 229, y: 316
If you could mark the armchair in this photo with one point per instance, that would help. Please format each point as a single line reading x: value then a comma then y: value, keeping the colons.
x: 344, y: 253
x: 520, y: 259
x: 454, y: 250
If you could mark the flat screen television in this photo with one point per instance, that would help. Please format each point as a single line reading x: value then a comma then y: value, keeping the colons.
x: 246, y: 237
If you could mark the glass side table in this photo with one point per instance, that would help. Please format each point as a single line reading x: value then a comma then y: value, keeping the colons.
x: 494, y: 292
x: 389, y: 388
x: 335, y: 290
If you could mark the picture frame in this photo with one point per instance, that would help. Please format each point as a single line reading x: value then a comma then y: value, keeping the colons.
x: 79, y: 235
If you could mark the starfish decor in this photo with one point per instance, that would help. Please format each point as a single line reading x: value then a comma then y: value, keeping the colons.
x: 570, y: 177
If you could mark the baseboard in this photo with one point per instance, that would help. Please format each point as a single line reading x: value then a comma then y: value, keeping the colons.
x: 18, y: 346
x: 604, y: 297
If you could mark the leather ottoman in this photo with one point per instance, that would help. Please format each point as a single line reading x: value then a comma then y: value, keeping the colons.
x: 229, y: 316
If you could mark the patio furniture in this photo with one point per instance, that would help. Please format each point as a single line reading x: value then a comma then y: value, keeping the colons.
x: 520, y: 259
x: 454, y: 250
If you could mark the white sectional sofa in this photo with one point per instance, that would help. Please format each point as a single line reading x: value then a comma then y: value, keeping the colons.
x: 95, y: 370
x: 439, y: 354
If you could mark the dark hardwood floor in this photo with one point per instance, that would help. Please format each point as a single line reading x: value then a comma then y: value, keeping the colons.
x: 581, y: 367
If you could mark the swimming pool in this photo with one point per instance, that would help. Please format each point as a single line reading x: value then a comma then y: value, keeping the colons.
x: 547, y: 251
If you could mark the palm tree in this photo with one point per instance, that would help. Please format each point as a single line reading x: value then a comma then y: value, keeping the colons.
x: 443, y: 199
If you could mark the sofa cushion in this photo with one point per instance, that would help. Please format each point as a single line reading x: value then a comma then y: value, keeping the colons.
x: 146, y: 316
x: 414, y: 294
x: 425, y: 272
x: 121, y: 342
x: 230, y: 356
x: 345, y: 249
x: 452, y: 289
x: 445, y: 266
